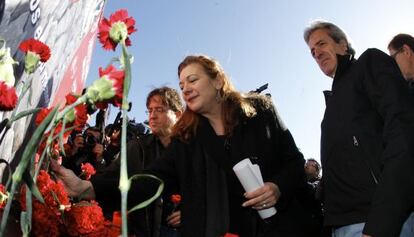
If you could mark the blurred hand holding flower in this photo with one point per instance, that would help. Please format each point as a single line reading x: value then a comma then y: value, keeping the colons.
x: 87, y: 171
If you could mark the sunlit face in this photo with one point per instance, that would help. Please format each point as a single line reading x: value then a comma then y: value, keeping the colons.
x: 402, y: 57
x: 324, y: 50
x: 199, y: 90
x: 311, y: 169
x: 161, y: 118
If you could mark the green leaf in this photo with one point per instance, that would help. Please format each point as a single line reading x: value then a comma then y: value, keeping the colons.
x: 62, y: 132
x: 28, y: 153
x: 27, y: 178
x: 25, y: 223
x: 155, y: 196
x: 31, y: 147
x: 23, y: 114
x: 8, y: 174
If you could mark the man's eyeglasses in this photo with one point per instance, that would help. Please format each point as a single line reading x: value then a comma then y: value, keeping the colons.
x: 157, y: 110
x: 396, y: 52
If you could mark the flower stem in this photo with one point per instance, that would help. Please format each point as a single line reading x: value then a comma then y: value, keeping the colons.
x: 124, y: 182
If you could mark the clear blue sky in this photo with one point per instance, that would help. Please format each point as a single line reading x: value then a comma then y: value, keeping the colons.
x: 257, y: 42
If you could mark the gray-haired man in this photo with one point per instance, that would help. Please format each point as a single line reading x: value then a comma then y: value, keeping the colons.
x: 367, y: 143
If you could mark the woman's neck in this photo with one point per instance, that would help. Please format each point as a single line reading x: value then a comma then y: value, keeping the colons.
x: 217, y: 124
x: 165, y: 140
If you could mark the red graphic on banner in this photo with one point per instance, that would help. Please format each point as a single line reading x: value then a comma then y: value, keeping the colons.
x: 75, y: 76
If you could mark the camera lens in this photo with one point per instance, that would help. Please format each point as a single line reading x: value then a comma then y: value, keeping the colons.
x: 90, y: 140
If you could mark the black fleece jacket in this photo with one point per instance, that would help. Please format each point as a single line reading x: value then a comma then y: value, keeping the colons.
x: 367, y: 145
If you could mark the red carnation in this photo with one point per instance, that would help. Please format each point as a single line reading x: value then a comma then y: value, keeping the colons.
x: 81, y: 117
x: 49, y: 213
x: 71, y: 98
x: 37, y: 47
x: 108, y: 88
x: 117, y: 218
x: 41, y: 115
x: 80, y: 113
x: 176, y: 199
x: 87, y: 170
x: 35, y: 51
x: 117, y: 77
x: 230, y: 235
x: 8, y: 97
x: 3, y: 196
x: 116, y: 29
x: 84, y: 218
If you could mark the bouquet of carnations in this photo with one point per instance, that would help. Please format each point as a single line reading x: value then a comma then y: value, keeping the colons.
x: 46, y: 209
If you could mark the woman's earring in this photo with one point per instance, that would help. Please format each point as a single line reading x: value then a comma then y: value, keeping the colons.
x: 219, y: 97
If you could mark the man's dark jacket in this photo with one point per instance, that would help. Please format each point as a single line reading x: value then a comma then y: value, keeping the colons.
x: 141, y: 152
x: 367, y: 145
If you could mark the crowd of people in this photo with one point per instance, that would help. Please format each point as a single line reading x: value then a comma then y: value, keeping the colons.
x: 367, y: 156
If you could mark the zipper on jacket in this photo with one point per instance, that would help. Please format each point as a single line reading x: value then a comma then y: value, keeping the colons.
x: 355, y: 141
x: 356, y: 144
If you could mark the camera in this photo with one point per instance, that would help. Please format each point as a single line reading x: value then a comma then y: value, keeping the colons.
x: 89, y: 141
x: 133, y: 129
x: 91, y: 137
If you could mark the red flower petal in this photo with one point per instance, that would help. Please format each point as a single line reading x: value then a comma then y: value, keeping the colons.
x: 230, y: 235
x: 105, y: 26
x: 81, y: 112
x: 8, y: 97
x: 70, y: 98
x: 2, y: 190
x: 117, y: 77
x: 37, y: 47
x: 41, y: 115
x: 85, y: 218
x: 81, y: 117
x: 176, y: 199
x: 87, y: 170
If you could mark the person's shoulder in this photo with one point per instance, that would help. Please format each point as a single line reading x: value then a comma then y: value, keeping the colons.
x: 373, y: 54
x: 143, y: 139
x: 147, y: 138
x: 259, y: 101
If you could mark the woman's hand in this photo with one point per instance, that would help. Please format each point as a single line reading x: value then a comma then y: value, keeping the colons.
x: 263, y: 197
x: 174, y: 220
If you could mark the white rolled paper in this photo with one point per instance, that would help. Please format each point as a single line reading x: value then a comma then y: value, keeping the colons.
x: 251, y: 179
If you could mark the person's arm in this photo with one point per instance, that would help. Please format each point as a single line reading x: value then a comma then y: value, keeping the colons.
x: 107, y: 180
x: 394, y: 195
x: 291, y: 174
x: 74, y: 186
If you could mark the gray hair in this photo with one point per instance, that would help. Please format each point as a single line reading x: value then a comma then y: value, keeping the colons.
x: 336, y: 33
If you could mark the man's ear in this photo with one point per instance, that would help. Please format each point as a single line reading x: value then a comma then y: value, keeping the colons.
x: 407, y: 50
x: 344, y: 45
